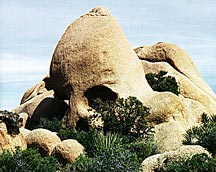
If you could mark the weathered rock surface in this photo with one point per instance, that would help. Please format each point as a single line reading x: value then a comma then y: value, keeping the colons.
x: 175, y: 114
x: 178, y: 59
x: 92, y: 56
x: 165, y: 106
x: 10, y: 142
x: 32, y: 92
x: 43, y: 105
x: 24, y: 131
x: 24, y: 117
x: 93, y: 59
x: 158, y: 161
x: 3, y: 126
x: 44, y: 139
x: 187, y: 88
x: 68, y: 150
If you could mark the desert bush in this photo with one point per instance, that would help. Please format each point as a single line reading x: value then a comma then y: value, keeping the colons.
x: 27, y: 160
x: 120, y: 145
x: 160, y: 82
x: 109, y: 155
x: 12, y: 121
x: 125, y: 116
x: 143, y: 148
x: 197, y: 163
x: 204, y: 135
x: 85, y: 138
x: 52, y: 124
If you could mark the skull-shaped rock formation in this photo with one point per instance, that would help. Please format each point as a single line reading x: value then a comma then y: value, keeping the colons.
x: 94, y: 59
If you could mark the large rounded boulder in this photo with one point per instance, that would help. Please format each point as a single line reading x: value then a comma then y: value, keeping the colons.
x: 44, y: 139
x: 94, y: 59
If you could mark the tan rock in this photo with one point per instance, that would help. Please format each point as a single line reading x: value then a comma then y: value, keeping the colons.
x: 177, y: 58
x: 176, y: 114
x: 24, y: 117
x: 169, y: 135
x: 32, y: 92
x: 3, y: 126
x: 24, y: 131
x: 68, y: 150
x: 4, y: 143
x: 158, y: 161
x: 43, y: 105
x: 94, y: 56
x: 10, y: 142
x: 44, y: 139
x: 187, y: 88
x: 164, y: 107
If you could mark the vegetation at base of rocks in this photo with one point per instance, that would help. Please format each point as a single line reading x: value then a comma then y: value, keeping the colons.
x: 12, y: 121
x: 121, y: 144
x: 85, y: 138
x: 27, y: 160
x: 204, y: 135
x: 124, y: 116
x: 197, y: 163
x: 160, y: 82
x: 53, y: 124
x: 112, y: 157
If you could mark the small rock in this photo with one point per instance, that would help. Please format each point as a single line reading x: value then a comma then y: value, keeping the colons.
x: 68, y: 150
x: 158, y: 161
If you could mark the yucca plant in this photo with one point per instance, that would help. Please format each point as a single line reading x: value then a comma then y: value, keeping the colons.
x: 204, y: 135
x: 109, y: 154
x: 108, y: 141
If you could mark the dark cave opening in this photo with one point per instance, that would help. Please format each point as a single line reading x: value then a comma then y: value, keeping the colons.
x: 102, y: 92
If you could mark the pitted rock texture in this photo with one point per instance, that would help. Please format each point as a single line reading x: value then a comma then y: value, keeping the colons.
x: 93, y: 59
x: 157, y: 162
x: 32, y: 92
x: 178, y: 59
x: 94, y: 52
x: 44, y: 139
x: 44, y: 105
x: 187, y: 88
x: 11, y: 142
x: 68, y: 150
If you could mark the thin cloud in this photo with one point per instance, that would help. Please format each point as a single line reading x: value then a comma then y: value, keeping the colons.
x: 16, y: 63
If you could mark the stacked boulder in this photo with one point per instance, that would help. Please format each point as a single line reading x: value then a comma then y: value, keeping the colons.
x: 93, y: 59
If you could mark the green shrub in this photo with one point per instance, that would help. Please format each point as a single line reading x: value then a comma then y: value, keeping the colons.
x: 27, y: 160
x: 121, y: 145
x: 53, y: 124
x: 11, y: 120
x: 109, y: 155
x: 197, y: 163
x: 204, y: 135
x: 142, y: 148
x: 125, y: 116
x: 83, y: 137
x: 160, y: 82
x: 102, y: 142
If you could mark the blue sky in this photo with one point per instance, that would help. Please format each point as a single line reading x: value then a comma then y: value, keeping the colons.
x: 30, y: 30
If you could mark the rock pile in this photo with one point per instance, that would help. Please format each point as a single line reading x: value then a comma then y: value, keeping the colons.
x: 93, y: 59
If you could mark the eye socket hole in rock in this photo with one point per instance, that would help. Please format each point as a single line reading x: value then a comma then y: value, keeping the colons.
x: 101, y: 92
x: 82, y: 125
